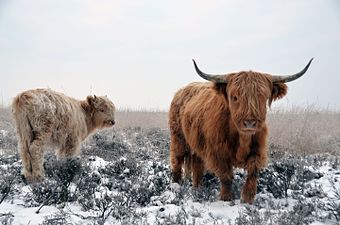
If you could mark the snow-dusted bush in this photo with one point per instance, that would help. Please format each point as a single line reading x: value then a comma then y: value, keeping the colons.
x: 6, y: 218
x: 289, y: 173
x: 63, y: 170
x: 9, y: 177
x: 8, y: 140
x: 302, y: 213
x: 181, y: 217
x: 140, y: 181
x: 250, y: 216
x: 86, y: 188
x: 121, y: 168
x: 208, y: 192
x: 56, y: 219
x: 59, y: 176
x: 276, y: 178
x: 104, y: 141
x: 332, y: 203
x: 107, y: 144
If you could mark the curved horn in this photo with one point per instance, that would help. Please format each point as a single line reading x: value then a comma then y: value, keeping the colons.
x: 209, y: 77
x: 288, y: 78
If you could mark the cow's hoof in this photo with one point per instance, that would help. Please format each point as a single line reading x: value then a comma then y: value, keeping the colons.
x: 177, y: 178
x: 248, y: 197
x: 23, y: 178
x: 32, y: 179
x: 226, y: 196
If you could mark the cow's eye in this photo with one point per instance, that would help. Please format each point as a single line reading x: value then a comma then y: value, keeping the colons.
x: 234, y: 98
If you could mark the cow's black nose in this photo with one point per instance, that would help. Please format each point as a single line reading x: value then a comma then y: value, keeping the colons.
x: 249, y: 123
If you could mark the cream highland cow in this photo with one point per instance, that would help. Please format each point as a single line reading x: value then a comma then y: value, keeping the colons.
x: 48, y: 118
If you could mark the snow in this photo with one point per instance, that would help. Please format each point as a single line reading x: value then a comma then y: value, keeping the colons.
x: 98, y: 163
x: 328, y: 176
x: 23, y: 215
x: 3, y: 132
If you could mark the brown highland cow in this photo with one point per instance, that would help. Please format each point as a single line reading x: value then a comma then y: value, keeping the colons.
x: 220, y: 125
x: 48, y: 118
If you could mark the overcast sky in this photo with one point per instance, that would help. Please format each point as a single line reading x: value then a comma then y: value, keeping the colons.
x: 138, y: 52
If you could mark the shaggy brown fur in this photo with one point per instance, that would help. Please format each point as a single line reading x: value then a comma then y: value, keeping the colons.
x: 48, y: 118
x: 208, y: 124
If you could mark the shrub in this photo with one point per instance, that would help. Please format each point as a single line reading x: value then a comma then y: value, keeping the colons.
x: 277, y: 177
x: 332, y: 203
x: 6, y: 218
x: 56, y: 219
x: 9, y: 177
x: 59, y: 176
x: 301, y: 214
x: 86, y: 186
x: 8, y: 140
x: 209, y: 189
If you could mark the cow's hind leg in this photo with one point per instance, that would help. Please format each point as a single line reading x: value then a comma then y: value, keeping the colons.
x: 36, y: 158
x: 197, y: 167
x: 30, y: 148
x: 26, y: 136
x: 177, y: 155
x: 25, y: 158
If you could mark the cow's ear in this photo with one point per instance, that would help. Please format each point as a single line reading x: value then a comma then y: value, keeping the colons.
x: 90, y: 100
x: 279, y: 90
x: 87, y: 105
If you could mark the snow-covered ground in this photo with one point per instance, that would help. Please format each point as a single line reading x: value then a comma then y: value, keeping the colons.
x: 124, y: 178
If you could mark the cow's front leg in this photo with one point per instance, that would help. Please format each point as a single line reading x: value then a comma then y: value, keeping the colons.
x: 226, y: 179
x: 255, y: 161
x: 250, y: 187
x: 226, y: 190
x: 70, y: 148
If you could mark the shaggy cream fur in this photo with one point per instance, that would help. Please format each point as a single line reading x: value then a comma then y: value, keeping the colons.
x: 48, y: 118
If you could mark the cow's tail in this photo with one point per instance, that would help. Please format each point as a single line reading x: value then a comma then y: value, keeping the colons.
x: 187, y: 165
x: 24, y: 126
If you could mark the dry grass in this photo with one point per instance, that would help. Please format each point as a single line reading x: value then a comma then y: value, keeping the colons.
x: 6, y: 120
x: 143, y: 119
x: 305, y: 130
x: 300, y: 130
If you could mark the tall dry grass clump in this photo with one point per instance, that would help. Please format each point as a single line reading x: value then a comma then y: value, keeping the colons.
x: 6, y: 119
x: 141, y: 118
x: 305, y: 130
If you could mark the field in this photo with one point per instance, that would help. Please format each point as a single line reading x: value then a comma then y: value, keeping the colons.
x: 123, y: 177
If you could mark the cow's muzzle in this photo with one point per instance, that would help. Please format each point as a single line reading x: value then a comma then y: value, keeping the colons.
x: 249, y: 124
x: 110, y: 122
